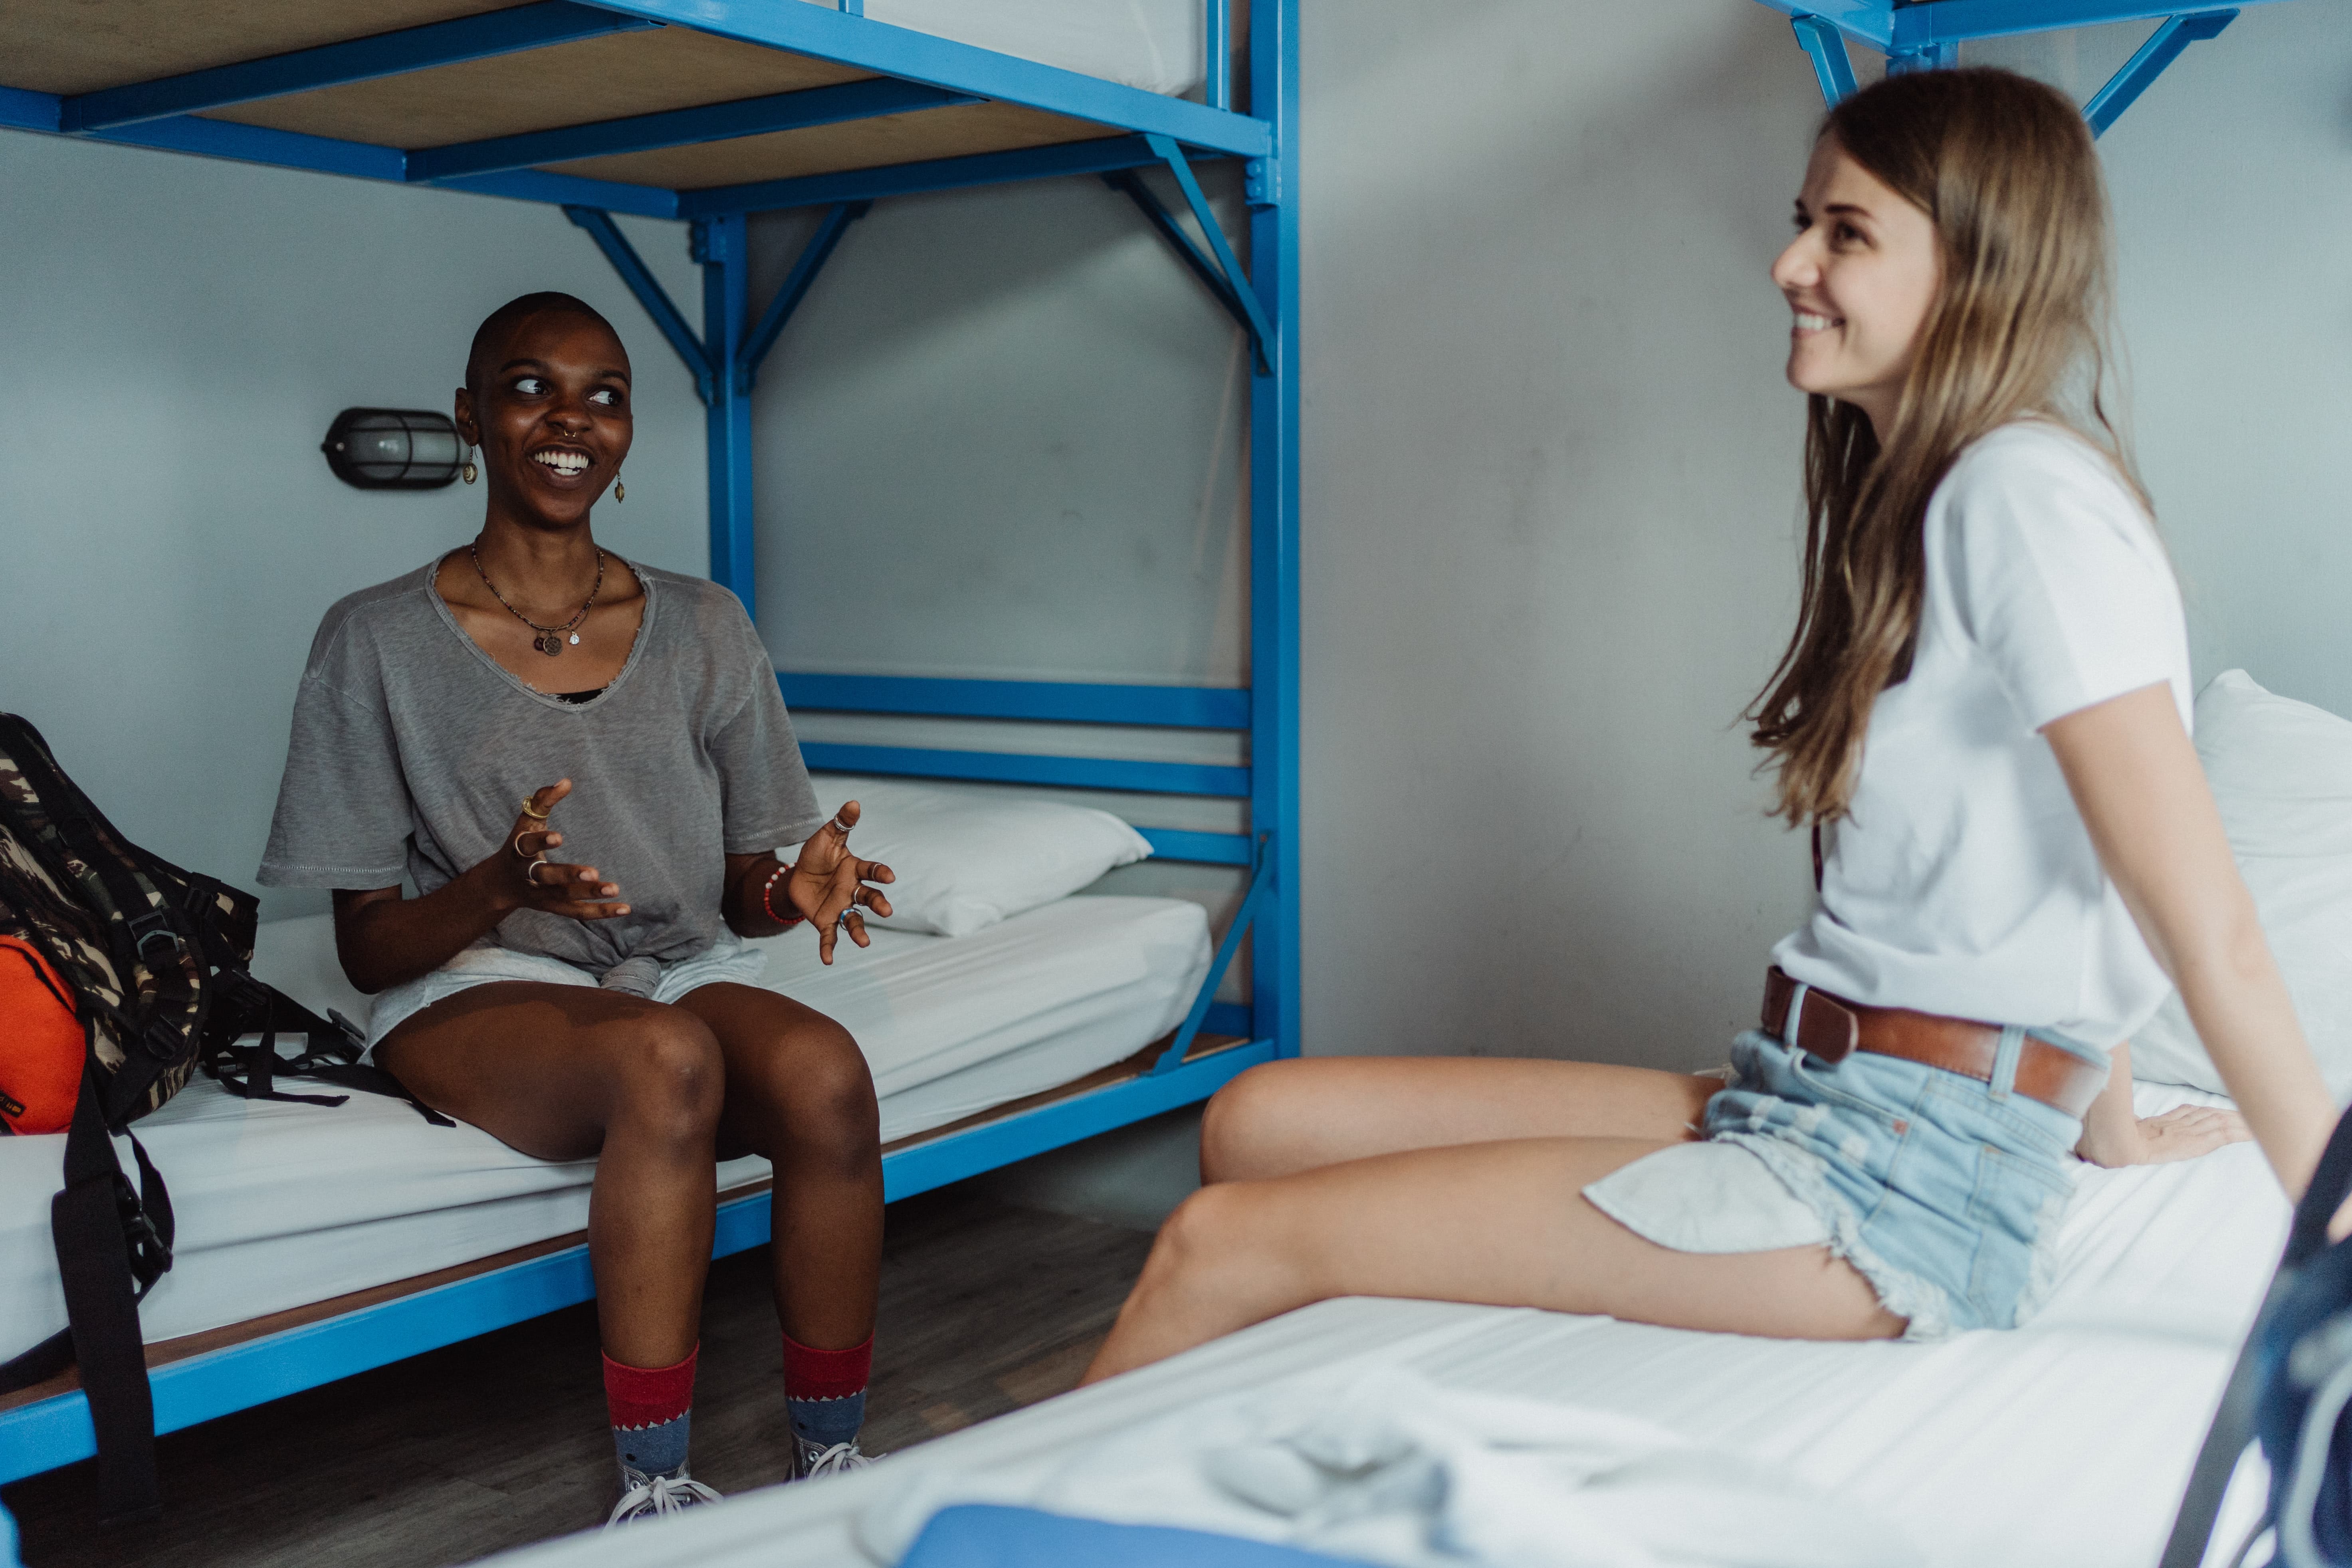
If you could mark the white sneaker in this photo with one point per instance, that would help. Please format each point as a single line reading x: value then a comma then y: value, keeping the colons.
x: 649, y: 1496
x: 812, y: 1460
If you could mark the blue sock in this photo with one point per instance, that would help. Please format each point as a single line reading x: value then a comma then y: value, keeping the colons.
x: 824, y: 1422
x: 656, y: 1450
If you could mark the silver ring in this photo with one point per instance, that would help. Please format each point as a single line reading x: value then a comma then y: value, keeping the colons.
x: 531, y: 871
x: 840, y: 826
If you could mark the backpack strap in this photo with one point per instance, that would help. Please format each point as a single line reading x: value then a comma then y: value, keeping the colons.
x: 330, y: 1051
x: 112, y: 1245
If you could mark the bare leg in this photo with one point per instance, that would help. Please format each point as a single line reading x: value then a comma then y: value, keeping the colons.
x: 1290, y: 1116
x: 565, y: 1072
x: 799, y: 1093
x: 1502, y: 1223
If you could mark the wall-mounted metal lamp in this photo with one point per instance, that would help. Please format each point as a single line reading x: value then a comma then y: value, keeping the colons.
x: 393, y: 448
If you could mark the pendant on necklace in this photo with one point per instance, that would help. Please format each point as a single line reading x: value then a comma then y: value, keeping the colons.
x: 550, y: 645
x: 575, y: 639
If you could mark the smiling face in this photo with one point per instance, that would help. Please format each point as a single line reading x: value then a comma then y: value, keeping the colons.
x: 550, y: 410
x: 1861, y: 276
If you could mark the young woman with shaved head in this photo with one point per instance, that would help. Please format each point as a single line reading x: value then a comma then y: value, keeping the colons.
x: 579, y: 767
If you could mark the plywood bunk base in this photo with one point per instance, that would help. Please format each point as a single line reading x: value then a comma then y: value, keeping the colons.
x: 199, y: 1376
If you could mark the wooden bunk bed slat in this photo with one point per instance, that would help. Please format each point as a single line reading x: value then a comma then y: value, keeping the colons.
x: 90, y: 44
x: 577, y: 83
x: 892, y: 139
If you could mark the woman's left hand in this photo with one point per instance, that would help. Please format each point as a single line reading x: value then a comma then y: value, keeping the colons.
x: 2182, y: 1133
x: 828, y: 884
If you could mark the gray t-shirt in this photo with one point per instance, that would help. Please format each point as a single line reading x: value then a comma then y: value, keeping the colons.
x: 412, y: 750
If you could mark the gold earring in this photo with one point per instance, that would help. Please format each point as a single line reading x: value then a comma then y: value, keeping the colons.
x: 620, y: 490
x: 466, y: 470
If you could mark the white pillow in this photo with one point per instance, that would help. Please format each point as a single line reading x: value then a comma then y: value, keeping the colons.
x: 965, y: 862
x: 2281, y: 773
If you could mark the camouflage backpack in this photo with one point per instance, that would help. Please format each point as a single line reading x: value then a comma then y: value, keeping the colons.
x: 156, y: 959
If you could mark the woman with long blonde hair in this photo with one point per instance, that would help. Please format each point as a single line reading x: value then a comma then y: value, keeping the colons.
x: 1983, y: 714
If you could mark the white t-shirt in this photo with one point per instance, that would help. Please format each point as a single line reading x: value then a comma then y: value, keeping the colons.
x: 1963, y: 882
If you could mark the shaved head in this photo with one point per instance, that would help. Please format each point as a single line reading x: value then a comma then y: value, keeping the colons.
x: 491, y: 337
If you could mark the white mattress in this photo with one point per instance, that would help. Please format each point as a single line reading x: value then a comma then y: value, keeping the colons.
x: 1155, y: 45
x: 2062, y: 1444
x: 282, y: 1204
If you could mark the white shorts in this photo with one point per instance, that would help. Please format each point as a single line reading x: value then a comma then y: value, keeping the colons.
x: 730, y: 958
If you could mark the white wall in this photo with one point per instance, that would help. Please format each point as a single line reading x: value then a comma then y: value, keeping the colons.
x: 175, y: 335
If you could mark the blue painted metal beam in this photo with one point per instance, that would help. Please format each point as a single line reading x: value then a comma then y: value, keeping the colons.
x: 326, y: 155
x: 912, y: 56
x: 1272, y: 191
x: 995, y: 1145
x: 848, y: 101
x: 1892, y: 28
x: 56, y: 1431
x: 2163, y: 47
x: 1825, y: 46
x: 1171, y: 707
x: 331, y: 65
x: 1173, y: 1056
x: 1200, y: 848
x: 1253, y: 317
x: 1217, y: 55
x: 723, y: 247
x: 909, y: 179
x: 23, y: 109
x: 1025, y: 767
x: 649, y: 293
x: 1231, y: 1019
x: 795, y: 288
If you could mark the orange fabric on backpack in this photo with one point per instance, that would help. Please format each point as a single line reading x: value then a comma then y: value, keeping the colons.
x: 40, y: 1043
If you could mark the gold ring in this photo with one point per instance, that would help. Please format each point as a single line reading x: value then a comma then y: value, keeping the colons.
x: 531, y: 808
x: 517, y: 848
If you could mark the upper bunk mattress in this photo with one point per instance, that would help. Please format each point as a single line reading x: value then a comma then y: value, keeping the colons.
x: 281, y: 1205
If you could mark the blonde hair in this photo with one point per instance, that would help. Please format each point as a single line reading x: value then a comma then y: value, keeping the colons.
x: 2005, y: 169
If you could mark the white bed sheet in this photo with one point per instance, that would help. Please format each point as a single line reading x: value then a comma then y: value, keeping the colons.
x: 1156, y: 45
x: 2062, y: 1444
x: 282, y: 1204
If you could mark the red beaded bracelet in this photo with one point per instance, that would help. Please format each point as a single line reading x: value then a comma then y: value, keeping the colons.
x: 767, y: 900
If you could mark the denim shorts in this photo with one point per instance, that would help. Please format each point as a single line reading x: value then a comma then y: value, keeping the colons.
x: 1942, y: 1191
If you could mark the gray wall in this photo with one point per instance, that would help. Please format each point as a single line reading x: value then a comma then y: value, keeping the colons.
x: 1551, y: 468
x: 175, y: 335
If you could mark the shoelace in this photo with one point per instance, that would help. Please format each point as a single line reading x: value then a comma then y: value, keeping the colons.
x: 836, y: 1460
x: 654, y: 1495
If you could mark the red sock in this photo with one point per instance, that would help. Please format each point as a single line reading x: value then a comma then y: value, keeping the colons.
x: 826, y: 1374
x: 648, y: 1396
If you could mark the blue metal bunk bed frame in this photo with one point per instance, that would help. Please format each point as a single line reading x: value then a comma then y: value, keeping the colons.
x: 1926, y: 35
x: 911, y: 71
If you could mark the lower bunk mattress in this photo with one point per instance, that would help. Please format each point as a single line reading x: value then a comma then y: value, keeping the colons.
x: 2064, y: 1443
x: 282, y: 1204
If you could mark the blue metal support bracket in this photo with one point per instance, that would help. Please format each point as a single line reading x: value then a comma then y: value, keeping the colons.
x: 333, y: 65
x: 649, y: 293
x: 1237, y: 283
x: 1825, y: 46
x: 795, y: 288
x: 1130, y: 185
x: 2163, y: 47
x: 1260, y: 877
x: 867, y: 100
x: 1934, y: 56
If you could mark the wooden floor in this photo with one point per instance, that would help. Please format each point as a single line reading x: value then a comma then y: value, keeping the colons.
x: 502, y: 1441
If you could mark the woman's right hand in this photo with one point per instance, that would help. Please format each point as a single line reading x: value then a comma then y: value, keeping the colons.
x: 522, y: 876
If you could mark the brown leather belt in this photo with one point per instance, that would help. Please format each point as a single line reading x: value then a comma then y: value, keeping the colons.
x: 1833, y: 1028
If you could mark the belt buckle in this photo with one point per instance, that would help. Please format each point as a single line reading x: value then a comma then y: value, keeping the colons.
x: 1831, y: 1040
